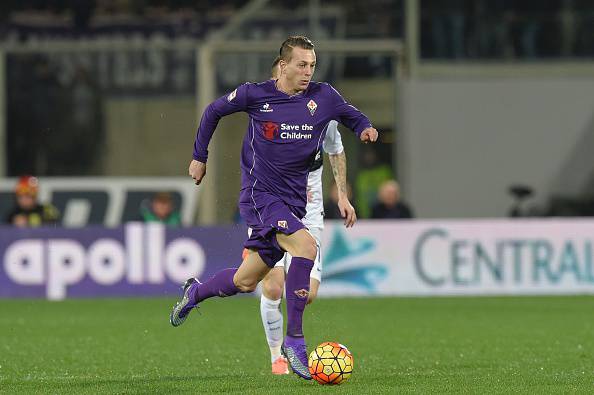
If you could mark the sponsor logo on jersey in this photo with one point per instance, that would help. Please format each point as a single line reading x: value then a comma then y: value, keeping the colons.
x: 266, y: 108
x: 232, y: 95
x: 269, y: 130
x: 312, y: 106
x: 282, y: 224
x: 295, y: 135
x: 272, y: 130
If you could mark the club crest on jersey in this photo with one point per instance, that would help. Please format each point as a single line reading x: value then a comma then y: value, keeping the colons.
x: 312, y: 106
x: 266, y: 108
x: 282, y: 224
x: 270, y: 130
x: 302, y: 293
x: 232, y: 95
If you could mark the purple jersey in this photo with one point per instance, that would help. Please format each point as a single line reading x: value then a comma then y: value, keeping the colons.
x: 284, y: 136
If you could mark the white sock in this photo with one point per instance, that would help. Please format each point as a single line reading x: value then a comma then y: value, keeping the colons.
x: 272, y: 319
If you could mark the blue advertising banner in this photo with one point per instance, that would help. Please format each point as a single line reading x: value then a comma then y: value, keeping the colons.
x: 135, y: 259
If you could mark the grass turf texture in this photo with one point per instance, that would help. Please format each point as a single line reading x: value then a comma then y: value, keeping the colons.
x: 406, y: 345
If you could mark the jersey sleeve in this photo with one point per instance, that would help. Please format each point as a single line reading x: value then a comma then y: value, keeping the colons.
x: 233, y: 102
x: 332, y: 143
x: 348, y: 114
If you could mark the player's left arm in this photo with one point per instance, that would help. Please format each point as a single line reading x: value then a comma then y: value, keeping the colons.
x: 333, y: 146
x: 352, y: 118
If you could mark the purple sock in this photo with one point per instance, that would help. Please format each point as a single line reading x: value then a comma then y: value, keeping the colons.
x: 297, y: 291
x: 221, y: 284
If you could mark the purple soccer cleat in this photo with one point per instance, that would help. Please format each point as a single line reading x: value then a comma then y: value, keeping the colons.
x: 295, y: 350
x: 183, y: 307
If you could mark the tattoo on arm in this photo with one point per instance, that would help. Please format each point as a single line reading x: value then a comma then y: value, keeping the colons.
x: 338, y: 163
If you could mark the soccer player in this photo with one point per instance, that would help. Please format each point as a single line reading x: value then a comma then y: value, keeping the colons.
x: 288, y: 119
x: 273, y: 283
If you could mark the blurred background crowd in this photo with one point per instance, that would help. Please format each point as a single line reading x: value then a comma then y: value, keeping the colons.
x: 81, y: 100
x: 454, y: 29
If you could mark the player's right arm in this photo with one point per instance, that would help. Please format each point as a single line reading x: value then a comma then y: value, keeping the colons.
x: 225, y: 105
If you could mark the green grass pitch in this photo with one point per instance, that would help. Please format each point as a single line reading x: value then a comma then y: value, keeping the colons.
x: 481, y: 345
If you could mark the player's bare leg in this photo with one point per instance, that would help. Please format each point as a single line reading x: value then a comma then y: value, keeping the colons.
x: 226, y: 282
x: 251, y: 271
x: 302, y: 246
x: 272, y: 316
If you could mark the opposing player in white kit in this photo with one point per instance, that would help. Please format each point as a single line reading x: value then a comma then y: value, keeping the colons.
x: 273, y: 283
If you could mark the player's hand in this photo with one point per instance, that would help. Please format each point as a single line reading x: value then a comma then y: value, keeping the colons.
x: 369, y: 135
x: 197, y: 171
x: 347, y: 211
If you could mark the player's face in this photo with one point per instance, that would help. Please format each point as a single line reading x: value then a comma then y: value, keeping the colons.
x: 299, y: 71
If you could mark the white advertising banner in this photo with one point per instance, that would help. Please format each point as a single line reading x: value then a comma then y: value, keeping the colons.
x: 470, y: 257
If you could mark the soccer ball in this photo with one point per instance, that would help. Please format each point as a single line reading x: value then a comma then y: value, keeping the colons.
x: 330, y: 363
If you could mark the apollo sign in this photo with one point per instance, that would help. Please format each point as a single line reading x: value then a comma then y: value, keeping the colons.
x: 142, y: 258
x: 137, y: 259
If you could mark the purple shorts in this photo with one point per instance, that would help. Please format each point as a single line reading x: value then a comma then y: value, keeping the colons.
x: 266, y: 214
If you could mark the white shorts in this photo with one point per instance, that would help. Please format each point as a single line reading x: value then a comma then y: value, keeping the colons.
x: 316, y: 270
